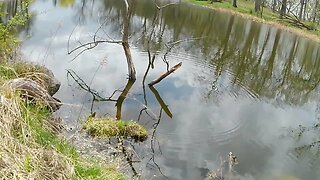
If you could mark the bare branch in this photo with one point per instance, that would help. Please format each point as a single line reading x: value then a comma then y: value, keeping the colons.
x: 93, y: 45
x: 174, y: 68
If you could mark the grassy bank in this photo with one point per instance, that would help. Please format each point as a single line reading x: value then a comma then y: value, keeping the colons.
x: 31, y: 147
x: 246, y: 10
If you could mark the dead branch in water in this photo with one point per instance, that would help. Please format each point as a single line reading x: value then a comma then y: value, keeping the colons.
x: 220, y: 172
x: 171, y: 70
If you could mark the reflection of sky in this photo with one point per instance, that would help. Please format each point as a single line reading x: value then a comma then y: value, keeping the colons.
x: 201, y: 130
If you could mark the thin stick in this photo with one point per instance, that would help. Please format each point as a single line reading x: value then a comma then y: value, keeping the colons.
x: 171, y: 70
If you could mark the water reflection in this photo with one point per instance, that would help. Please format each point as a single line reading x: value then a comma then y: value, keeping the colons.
x: 64, y: 3
x: 241, y: 86
x: 122, y: 97
x: 248, y: 51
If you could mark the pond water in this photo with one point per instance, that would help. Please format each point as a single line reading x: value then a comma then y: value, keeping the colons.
x: 244, y: 87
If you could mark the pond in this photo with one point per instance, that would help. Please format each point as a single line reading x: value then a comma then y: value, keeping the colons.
x: 243, y: 87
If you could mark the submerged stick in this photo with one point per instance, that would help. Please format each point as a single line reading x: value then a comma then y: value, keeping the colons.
x: 171, y: 70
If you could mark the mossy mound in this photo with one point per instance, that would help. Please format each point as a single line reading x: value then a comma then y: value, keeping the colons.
x: 107, y: 127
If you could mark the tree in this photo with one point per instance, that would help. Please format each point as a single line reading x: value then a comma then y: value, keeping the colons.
x: 315, y: 11
x: 234, y: 3
x: 283, y: 8
x: 257, y: 5
x: 302, y: 2
x: 125, y: 39
x: 274, y: 4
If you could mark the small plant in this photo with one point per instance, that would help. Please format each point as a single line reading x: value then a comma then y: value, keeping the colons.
x: 8, y: 31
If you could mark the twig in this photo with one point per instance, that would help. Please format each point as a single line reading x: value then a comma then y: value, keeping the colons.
x: 174, y: 68
x: 93, y: 45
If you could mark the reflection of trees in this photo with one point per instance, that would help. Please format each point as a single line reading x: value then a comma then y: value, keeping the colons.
x: 122, y: 97
x: 98, y: 98
x: 66, y: 3
x: 310, y: 149
x: 260, y: 59
x: 265, y: 61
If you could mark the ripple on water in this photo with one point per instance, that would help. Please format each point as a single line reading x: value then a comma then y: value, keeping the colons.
x: 226, y: 88
x: 227, y: 78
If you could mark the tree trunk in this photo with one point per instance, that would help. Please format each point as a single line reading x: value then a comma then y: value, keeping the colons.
x: 305, y: 8
x: 315, y: 11
x: 274, y: 4
x: 257, y: 5
x: 125, y: 40
x: 234, y: 3
x: 301, y: 9
x: 283, y: 8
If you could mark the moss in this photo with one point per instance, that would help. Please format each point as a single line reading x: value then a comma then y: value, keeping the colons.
x: 107, y: 127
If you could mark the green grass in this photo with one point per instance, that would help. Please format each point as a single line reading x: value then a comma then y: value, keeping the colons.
x: 35, y: 116
x: 20, y: 69
x: 8, y: 32
x: 32, y: 148
x: 246, y: 9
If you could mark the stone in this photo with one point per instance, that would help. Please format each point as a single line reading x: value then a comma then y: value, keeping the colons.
x: 32, y: 90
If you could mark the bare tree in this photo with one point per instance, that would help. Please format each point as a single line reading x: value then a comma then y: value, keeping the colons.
x: 125, y: 39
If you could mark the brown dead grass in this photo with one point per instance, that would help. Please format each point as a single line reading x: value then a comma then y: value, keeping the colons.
x: 20, y: 156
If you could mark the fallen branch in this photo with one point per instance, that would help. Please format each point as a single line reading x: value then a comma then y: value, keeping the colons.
x: 171, y: 70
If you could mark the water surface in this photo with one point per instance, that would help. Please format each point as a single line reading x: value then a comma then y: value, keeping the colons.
x: 243, y: 86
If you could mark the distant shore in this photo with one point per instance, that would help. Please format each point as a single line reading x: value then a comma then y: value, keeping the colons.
x: 270, y: 19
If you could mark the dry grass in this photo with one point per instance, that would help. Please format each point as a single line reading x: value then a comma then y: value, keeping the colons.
x: 31, y: 149
x: 21, y: 157
x: 26, y: 70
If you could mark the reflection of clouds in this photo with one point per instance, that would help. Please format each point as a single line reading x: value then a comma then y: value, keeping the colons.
x: 255, y: 137
x: 200, y: 130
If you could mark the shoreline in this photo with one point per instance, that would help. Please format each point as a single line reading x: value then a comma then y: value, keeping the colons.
x: 291, y: 29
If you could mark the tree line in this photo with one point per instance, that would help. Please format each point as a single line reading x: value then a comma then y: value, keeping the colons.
x: 300, y: 13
